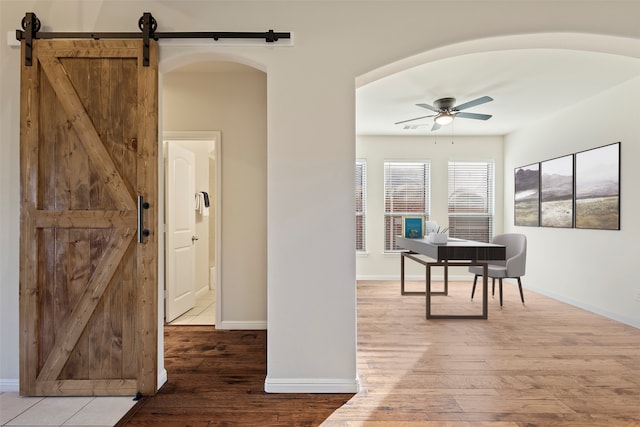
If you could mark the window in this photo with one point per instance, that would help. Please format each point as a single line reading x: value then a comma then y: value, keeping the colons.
x: 361, y: 204
x: 471, y: 206
x: 406, y: 192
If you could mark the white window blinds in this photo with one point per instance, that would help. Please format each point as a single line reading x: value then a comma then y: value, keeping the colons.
x: 406, y: 192
x: 361, y: 205
x: 471, y: 200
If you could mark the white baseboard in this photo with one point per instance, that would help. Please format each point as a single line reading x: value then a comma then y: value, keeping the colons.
x: 162, y: 378
x: 613, y: 316
x: 311, y: 385
x: 413, y: 277
x: 242, y: 325
x: 9, y: 386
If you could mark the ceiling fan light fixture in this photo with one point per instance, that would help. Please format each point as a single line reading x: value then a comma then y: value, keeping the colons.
x: 444, y: 118
x: 445, y: 111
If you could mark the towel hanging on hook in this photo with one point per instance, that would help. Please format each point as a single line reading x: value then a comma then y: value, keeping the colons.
x: 202, y: 203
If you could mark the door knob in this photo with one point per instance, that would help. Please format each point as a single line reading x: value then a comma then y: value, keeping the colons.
x: 194, y: 238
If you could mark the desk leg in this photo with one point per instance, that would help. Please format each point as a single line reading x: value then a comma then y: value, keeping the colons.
x: 403, y: 255
x: 446, y: 279
x: 485, y: 290
x: 428, y: 289
x: 445, y: 266
x: 402, y: 273
x: 485, y: 293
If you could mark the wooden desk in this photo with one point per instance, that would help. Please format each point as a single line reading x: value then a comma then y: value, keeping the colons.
x: 454, y: 253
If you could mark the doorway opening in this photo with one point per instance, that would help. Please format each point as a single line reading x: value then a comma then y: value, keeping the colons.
x: 200, y: 94
x: 192, y: 232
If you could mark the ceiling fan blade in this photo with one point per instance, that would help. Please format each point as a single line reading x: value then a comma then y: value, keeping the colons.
x: 429, y: 107
x: 410, y: 120
x: 435, y: 126
x: 413, y: 127
x: 473, y: 103
x: 474, y: 116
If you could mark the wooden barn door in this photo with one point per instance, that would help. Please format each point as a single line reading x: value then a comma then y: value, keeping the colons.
x: 88, y: 287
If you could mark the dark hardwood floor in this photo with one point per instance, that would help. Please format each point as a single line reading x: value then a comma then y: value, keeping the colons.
x: 217, y: 378
x: 542, y: 364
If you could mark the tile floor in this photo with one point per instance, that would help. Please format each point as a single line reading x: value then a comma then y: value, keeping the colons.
x: 204, y: 313
x: 16, y: 410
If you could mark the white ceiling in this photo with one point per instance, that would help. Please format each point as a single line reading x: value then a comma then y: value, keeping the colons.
x: 527, y: 85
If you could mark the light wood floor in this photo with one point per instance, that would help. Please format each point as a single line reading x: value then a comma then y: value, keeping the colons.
x: 542, y: 364
x: 538, y: 364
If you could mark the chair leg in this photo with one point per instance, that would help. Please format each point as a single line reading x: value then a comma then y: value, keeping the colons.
x: 520, y: 287
x: 493, y: 286
x: 500, y: 279
x: 475, y: 281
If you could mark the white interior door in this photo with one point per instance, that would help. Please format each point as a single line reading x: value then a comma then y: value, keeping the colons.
x: 180, y: 294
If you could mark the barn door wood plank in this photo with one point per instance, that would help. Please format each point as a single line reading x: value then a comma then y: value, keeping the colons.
x: 108, y: 48
x: 28, y: 305
x: 88, y: 135
x: 87, y: 388
x: 147, y: 252
x: 85, y: 306
x: 85, y: 219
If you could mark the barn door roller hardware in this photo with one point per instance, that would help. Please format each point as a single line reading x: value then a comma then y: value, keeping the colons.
x: 147, y: 24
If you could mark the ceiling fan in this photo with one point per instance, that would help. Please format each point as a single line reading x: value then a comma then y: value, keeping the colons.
x: 446, y: 111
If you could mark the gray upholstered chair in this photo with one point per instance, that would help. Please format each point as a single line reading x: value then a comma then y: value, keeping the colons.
x: 512, y: 268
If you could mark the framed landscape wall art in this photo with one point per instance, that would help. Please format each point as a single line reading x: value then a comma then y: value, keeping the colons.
x: 556, y: 192
x: 598, y: 188
x: 527, y: 195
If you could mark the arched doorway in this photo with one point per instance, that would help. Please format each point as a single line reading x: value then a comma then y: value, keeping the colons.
x: 205, y: 98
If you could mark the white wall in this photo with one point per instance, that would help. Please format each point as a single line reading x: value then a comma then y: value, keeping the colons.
x: 438, y: 150
x: 310, y: 149
x: 236, y: 104
x: 593, y: 269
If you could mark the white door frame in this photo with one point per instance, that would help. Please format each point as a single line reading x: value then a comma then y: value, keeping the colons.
x: 216, y: 137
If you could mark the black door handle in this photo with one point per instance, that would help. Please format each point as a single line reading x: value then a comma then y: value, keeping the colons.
x: 142, y: 232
